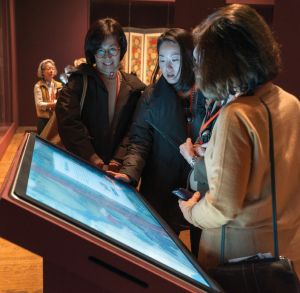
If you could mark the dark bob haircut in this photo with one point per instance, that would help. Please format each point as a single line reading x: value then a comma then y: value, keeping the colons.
x: 235, y: 51
x: 98, y: 32
x: 185, y: 41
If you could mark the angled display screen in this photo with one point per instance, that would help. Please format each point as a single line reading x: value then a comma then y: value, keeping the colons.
x: 75, y: 191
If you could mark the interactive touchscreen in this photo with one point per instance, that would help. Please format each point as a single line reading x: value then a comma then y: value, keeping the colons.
x: 86, y: 196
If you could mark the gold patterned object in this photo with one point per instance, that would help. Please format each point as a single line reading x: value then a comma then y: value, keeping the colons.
x: 141, y: 56
x: 150, y: 59
x: 136, y: 54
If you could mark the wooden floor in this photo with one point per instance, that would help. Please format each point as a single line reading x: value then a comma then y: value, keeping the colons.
x: 20, y: 270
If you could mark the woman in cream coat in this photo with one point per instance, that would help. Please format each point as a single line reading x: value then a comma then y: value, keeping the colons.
x: 237, y: 58
x: 45, y: 92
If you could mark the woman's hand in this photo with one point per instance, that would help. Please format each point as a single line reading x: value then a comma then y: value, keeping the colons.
x: 187, y: 150
x: 200, y: 149
x: 186, y: 206
x: 96, y: 161
x: 50, y: 106
x: 119, y: 176
x: 114, y: 166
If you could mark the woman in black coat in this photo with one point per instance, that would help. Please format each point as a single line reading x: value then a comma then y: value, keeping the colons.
x: 170, y: 111
x: 98, y: 132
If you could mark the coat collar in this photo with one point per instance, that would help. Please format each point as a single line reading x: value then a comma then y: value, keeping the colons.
x: 162, y: 87
x: 264, y: 89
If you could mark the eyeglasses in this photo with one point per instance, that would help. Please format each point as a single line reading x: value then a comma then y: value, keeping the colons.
x: 112, y: 51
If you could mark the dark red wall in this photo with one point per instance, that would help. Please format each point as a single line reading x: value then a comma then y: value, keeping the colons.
x: 56, y: 29
x: 142, y: 14
x: 46, y: 29
x: 283, y: 17
x: 286, y: 25
x: 189, y: 13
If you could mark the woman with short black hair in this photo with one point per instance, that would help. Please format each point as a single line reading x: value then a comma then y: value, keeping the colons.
x: 100, y: 30
x: 98, y: 132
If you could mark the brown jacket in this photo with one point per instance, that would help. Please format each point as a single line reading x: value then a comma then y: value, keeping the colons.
x: 238, y: 171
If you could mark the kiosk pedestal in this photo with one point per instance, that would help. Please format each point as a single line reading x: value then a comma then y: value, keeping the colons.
x: 57, y: 279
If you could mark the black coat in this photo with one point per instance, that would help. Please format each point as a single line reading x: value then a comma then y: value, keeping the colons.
x: 159, y: 127
x: 91, y: 132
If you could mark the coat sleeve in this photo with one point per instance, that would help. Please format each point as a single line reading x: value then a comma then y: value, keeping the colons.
x: 121, y: 150
x: 200, y: 176
x: 38, y: 97
x: 228, y: 164
x: 139, y: 141
x: 72, y: 130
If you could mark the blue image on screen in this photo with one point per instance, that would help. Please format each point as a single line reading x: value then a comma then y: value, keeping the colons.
x: 79, y: 191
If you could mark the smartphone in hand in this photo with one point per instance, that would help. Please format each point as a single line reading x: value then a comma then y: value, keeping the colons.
x: 183, y: 193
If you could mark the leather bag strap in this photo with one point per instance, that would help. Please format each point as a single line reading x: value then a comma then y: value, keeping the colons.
x: 273, y: 184
x: 83, y: 95
x: 273, y: 189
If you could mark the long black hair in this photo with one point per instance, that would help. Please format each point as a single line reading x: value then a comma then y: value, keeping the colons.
x: 185, y: 41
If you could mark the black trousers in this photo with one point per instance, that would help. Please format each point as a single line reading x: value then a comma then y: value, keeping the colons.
x: 41, y: 123
x: 195, y: 235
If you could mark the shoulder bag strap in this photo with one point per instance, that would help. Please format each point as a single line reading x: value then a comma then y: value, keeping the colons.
x: 83, y: 95
x: 273, y: 189
x: 273, y: 184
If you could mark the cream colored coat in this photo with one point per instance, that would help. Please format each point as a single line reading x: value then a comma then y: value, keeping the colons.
x: 42, y: 98
x: 238, y: 169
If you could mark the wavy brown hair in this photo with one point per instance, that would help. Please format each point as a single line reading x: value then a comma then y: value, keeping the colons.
x: 235, y: 51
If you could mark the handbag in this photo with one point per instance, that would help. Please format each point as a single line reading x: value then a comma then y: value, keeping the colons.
x: 50, y: 132
x: 256, y: 274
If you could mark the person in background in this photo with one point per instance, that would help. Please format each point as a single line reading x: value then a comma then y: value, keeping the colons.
x: 64, y: 76
x: 170, y: 111
x: 69, y: 69
x: 45, y: 92
x: 236, y: 59
x: 98, y: 132
x: 79, y: 61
